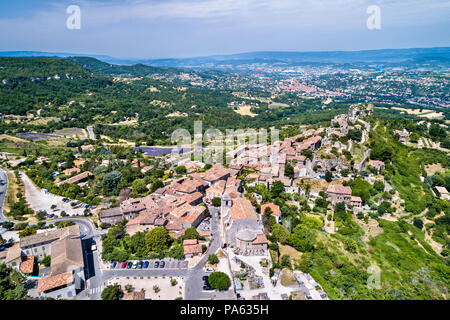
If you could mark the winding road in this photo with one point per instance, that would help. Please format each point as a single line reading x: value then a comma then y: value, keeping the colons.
x: 3, y: 188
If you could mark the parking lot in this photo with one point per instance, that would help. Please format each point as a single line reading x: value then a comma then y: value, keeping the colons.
x: 149, y: 264
x: 205, y: 225
x: 40, y: 200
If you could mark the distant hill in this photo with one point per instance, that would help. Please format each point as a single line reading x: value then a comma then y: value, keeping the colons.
x: 103, y: 58
x: 366, y: 56
x: 42, y: 68
x: 136, y: 70
x: 328, y: 57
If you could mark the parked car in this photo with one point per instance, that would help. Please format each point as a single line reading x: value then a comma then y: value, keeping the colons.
x: 162, y: 264
x: 205, y: 278
x: 156, y: 265
x: 124, y: 264
x: 140, y: 264
x: 207, y: 288
x: 146, y: 263
x: 129, y: 265
x: 113, y: 265
x: 135, y: 264
x: 209, y: 270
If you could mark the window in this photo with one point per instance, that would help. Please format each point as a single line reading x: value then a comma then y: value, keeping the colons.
x: 35, y: 250
x: 69, y: 294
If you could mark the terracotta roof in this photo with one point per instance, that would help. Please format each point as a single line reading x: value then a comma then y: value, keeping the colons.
x: 274, y: 207
x: 135, y: 295
x: 381, y: 163
x: 55, y: 281
x: 111, y: 212
x: 77, y: 178
x: 193, y: 249
x: 205, y: 233
x: 190, y: 242
x: 27, y: 265
x: 260, y: 239
x: 339, y: 188
x: 242, y: 209
x: 193, y: 197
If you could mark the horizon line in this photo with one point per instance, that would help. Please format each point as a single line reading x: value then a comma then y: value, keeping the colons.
x: 71, y: 54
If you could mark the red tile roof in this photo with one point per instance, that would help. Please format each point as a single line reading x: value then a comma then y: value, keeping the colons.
x: 193, y: 249
x: 274, y: 207
x: 27, y: 265
x: 55, y: 281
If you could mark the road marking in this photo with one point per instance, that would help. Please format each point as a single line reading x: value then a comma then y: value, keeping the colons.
x: 96, y: 290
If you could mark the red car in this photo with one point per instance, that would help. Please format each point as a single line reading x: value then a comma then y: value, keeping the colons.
x: 124, y: 264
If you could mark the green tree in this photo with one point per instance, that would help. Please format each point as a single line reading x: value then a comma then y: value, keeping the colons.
x: 378, y: 185
x: 47, y: 261
x: 328, y: 176
x: 289, y: 170
x: 139, y: 186
x: 180, y: 170
x: 156, y: 185
x: 277, y: 189
x: 302, y: 238
x: 280, y: 233
x: 418, y: 223
x: 111, y: 180
x: 213, y: 259
x: 191, y: 233
x: 112, y: 292
x: 216, y: 202
x: 414, y: 137
x: 286, y: 261
x: 158, y: 240
x: 219, y: 280
x: 12, y: 284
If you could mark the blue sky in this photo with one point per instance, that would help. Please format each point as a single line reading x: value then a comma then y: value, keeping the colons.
x: 186, y: 28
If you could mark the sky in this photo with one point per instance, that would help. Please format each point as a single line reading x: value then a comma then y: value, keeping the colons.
x: 189, y: 28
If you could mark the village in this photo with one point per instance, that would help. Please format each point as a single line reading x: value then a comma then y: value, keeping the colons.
x: 220, y: 215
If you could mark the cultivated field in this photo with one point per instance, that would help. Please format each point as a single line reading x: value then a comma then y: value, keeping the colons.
x: 425, y: 113
x: 245, y: 111
x: 72, y: 133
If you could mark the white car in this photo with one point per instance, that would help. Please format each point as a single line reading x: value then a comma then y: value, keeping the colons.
x: 209, y: 270
x: 134, y: 266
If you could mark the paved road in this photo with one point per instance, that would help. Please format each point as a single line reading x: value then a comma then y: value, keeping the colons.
x: 194, y: 282
x: 3, y: 188
x: 90, y: 130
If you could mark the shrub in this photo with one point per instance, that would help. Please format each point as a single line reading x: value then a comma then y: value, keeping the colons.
x: 219, y: 280
x: 213, y: 259
x: 216, y: 202
x: 112, y: 292
x: 46, y: 261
